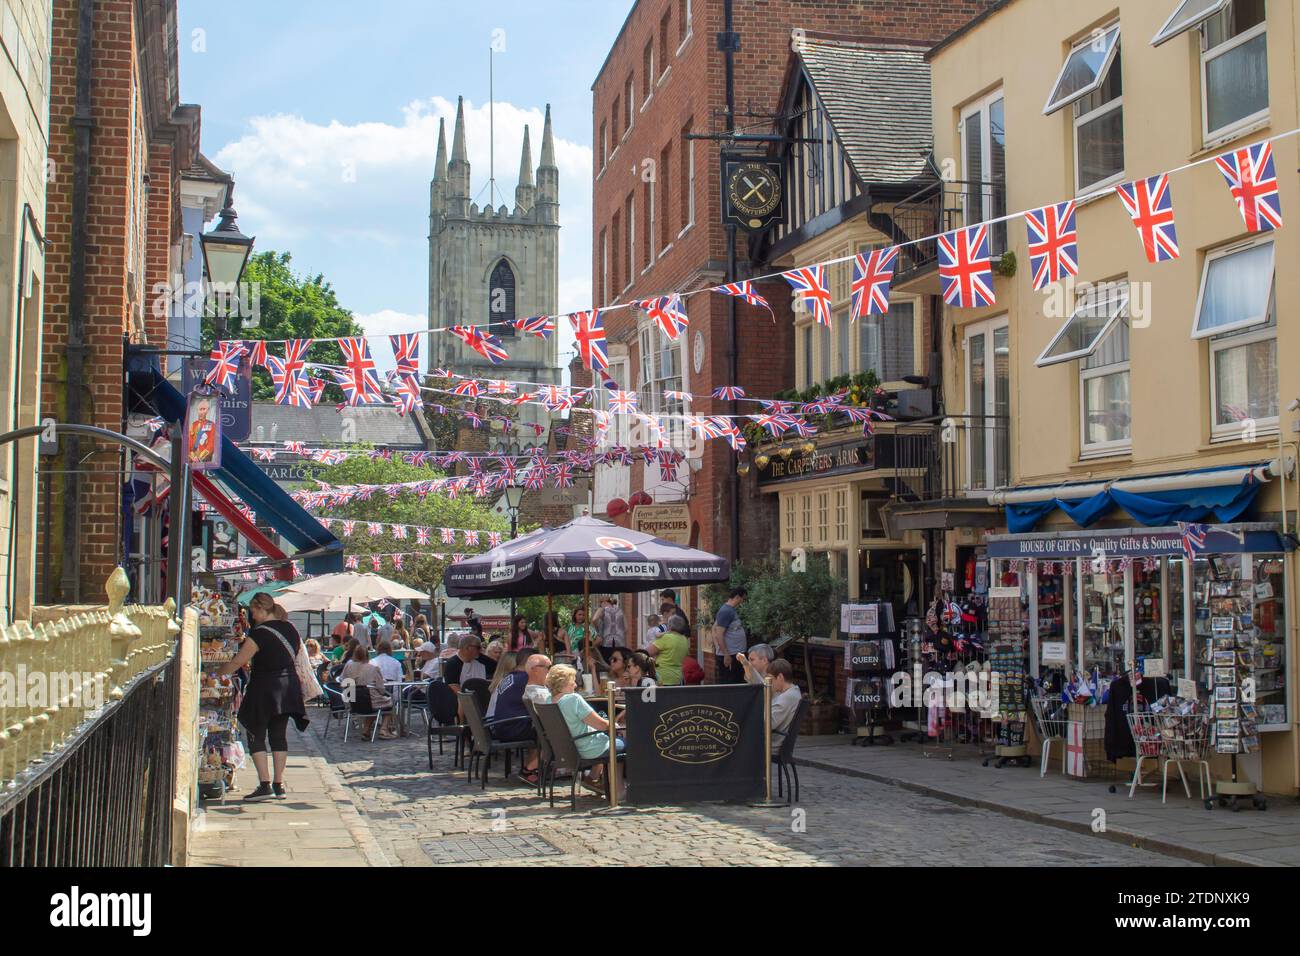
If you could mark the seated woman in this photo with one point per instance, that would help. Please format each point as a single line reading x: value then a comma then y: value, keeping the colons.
x: 367, y: 675
x: 641, y: 670
x: 617, y: 672
x: 314, y: 656
x: 562, y: 682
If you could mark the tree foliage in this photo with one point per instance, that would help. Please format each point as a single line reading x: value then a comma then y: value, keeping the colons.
x: 784, y: 603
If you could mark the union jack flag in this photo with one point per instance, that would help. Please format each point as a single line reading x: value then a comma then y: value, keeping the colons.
x: 471, y: 537
x: 408, y: 395
x: 729, y: 393
x: 448, y: 535
x: 540, y: 325
x: 315, y: 388
x: 871, y: 278
x: 256, y: 350
x: 676, y: 396
x: 406, y: 350
x: 774, y: 425
x: 1252, y: 180
x: 397, y: 562
x: 561, y: 476
x: 1193, y: 536
x: 1150, y: 204
x: 399, y: 531
x: 421, y: 535
x: 494, y: 539
x: 225, y: 364
x: 745, y: 290
x: 702, y: 427
x: 666, y: 310
x: 376, y: 562
x: 349, y: 527
x: 374, y: 529
x: 776, y: 407
x: 350, y: 562
x: 809, y: 284
x: 498, y: 387
x: 360, y: 382
x: 964, y: 271
x: 468, y: 387
x: 822, y: 407
x: 803, y: 429
x: 484, y: 343
x: 264, y: 454
x: 668, y: 468
x: 1053, y: 244
x: 590, y: 335
x: 728, y: 430
x: 622, y: 402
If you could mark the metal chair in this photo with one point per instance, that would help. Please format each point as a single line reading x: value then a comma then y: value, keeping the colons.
x: 480, y: 689
x: 784, y: 758
x: 338, y: 705
x: 545, y: 755
x: 363, y: 707
x: 564, y: 748
x: 440, y: 706
x: 482, y: 744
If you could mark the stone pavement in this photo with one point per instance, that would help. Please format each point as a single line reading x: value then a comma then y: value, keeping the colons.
x: 422, y: 818
x: 1180, y: 827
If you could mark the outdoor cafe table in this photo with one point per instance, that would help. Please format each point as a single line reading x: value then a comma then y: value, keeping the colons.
x: 402, y: 707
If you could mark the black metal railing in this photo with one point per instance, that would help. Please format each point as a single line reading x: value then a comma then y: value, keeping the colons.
x: 104, y: 799
x: 941, y: 206
x: 951, y: 456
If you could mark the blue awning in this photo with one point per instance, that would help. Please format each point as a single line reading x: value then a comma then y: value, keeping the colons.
x: 241, y: 476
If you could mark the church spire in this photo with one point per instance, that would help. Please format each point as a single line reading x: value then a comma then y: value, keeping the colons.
x: 548, y: 176
x: 440, y: 165
x: 525, y: 192
x: 458, y: 171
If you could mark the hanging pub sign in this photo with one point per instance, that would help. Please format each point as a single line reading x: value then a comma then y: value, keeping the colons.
x: 823, y: 462
x: 752, y: 191
x: 236, y: 407
x: 203, y: 430
x: 695, y: 743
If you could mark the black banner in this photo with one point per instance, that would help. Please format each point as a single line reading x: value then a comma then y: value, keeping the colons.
x: 695, y: 743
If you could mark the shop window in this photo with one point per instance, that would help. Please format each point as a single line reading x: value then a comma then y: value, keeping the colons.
x: 823, y: 516
x: 984, y: 151
x: 1091, y: 82
x: 887, y: 344
x: 988, y: 404
x: 1105, y: 405
x: 661, y: 370
x: 1102, y: 630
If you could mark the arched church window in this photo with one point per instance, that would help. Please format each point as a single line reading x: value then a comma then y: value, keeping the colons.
x: 501, y: 299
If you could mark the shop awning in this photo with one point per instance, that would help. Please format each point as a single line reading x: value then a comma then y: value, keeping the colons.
x: 318, y: 549
x: 1212, y: 494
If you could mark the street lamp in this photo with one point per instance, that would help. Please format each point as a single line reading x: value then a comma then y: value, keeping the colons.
x: 514, y: 498
x: 225, y: 253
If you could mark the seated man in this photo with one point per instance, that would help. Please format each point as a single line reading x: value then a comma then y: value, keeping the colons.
x: 785, y: 700
x: 468, y: 663
x: 756, y: 662
x: 388, y: 665
x: 537, y: 666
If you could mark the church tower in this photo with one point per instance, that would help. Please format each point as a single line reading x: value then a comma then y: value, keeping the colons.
x: 495, y: 265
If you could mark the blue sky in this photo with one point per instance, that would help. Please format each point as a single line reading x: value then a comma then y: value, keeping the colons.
x: 327, y: 115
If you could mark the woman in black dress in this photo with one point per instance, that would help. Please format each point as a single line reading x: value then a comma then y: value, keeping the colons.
x: 273, y: 695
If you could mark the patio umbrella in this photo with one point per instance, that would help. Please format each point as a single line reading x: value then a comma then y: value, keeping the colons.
x: 271, y: 589
x: 338, y: 592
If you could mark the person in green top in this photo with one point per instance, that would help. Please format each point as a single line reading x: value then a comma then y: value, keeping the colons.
x: 335, y: 651
x: 590, y: 731
x: 578, y: 631
x: 669, y: 649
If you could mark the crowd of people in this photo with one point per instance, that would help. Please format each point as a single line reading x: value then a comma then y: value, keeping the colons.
x: 386, y: 657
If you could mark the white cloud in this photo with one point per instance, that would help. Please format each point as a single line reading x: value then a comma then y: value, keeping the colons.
x: 351, y: 200
x: 390, y: 322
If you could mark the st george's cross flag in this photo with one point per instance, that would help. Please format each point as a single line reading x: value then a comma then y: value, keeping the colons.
x: 872, y: 275
x: 965, y: 274
x: 406, y: 351
x: 484, y: 343
x: 667, y: 312
x: 745, y: 290
x: 225, y: 364
x: 809, y: 284
x: 590, y: 336
x: 1053, y: 243
x: 1150, y: 204
x: 359, y: 379
x: 1252, y: 180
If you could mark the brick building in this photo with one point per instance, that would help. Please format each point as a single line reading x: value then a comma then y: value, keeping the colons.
x: 119, y: 141
x: 657, y: 226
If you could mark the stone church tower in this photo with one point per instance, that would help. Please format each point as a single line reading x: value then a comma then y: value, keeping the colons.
x: 495, y: 265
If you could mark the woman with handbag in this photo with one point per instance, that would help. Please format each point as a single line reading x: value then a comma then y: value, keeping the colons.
x: 274, y: 693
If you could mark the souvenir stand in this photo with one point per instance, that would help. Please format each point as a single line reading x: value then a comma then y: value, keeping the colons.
x: 909, y: 662
x: 871, y: 662
x: 1007, y: 650
x: 221, y: 750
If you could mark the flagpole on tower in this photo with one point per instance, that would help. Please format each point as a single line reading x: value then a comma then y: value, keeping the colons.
x: 492, y: 129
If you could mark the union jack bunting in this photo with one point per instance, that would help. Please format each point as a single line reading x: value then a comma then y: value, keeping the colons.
x: 803, y: 429
x: 702, y: 427
x: 484, y: 343
x: 1150, y: 204
x: 499, y: 387
x: 774, y: 425
x: 471, y: 536
x: 1053, y: 244
x: 315, y: 388
x: 408, y: 395
x: 729, y: 393
x: 562, y: 476
x: 350, y: 562
x: 457, y: 558
x: 872, y: 275
x: 494, y: 538
x: 374, y: 529
x: 731, y: 433
x: 448, y: 535
x: 441, y: 373
x: 256, y: 349
x: 964, y: 271
x: 359, y: 380
x: 225, y: 364
x: 809, y: 284
x: 422, y: 535
x: 668, y: 469
x: 1252, y: 180
x: 399, y: 531
x: 468, y: 387
x: 590, y: 335
x: 540, y: 325
x: 406, y: 351
x: 1193, y: 536
x: 675, y: 396
x: 823, y: 407
x: 667, y: 311
x: 376, y: 562
x: 397, y: 562
x: 622, y: 402
x: 745, y: 290
x: 776, y: 407
x: 264, y: 454
x: 329, y: 456
x: 349, y: 527
x: 534, y: 477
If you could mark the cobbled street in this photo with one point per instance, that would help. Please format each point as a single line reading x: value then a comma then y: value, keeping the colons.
x: 417, y: 815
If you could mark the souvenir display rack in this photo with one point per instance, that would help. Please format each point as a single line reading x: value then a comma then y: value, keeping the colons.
x: 1007, y: 643
x: 221, y: 751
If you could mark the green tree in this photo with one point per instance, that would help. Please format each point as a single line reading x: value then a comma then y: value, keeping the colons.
x: 784, y: 603
x: 422, y: 571
x: 292, y: 306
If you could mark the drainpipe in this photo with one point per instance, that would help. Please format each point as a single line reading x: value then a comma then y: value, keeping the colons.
x: 82, y: 124
x: 730, y: 44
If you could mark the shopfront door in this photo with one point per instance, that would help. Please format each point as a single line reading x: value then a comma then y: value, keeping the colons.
x: 892, y: 574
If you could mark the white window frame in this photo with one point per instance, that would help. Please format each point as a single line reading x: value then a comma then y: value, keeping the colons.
x: 986, y: 330
x: 1052, y: 105
x: 1098, y: 449
x: 1224, y: 252
x: 981, y: 106
x: 631, y: 243
x: 1082, y: 120
x: 690, y: 29
x: 649, y: 340
x: 1231, y: 431
x: 1225, y: 132
x: 651, y: 76
x: 1165, y: 34
x: 1120, y: 307
x: 651, y: 253
x: 690, y: 187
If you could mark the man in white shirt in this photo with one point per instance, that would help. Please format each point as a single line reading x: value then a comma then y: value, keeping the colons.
x: 388, y: 665
x: 785, y: 700
x: 538, y: 666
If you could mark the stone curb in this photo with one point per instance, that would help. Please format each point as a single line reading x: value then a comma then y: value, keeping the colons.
x: 353, y: 817
x: 1114, y: 834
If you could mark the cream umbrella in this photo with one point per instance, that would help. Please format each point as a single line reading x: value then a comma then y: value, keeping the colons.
x: 338, y: 592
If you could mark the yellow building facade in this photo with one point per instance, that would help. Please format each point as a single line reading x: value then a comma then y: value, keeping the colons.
x: 1137, y: 378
